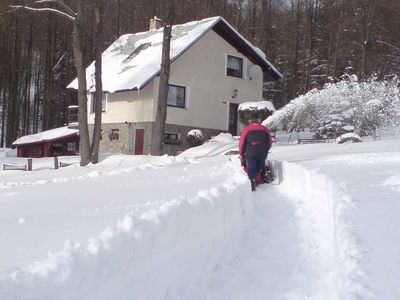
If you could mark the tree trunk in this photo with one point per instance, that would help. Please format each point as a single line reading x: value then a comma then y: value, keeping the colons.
x: 12, y: 118
x: 99, y: 86
x: 295, y: 51
x: 84, y: 142
x: 161, y: 113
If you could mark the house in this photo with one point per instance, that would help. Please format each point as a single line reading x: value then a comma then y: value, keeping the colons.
x: 53, y: 142
x: 213, y: 70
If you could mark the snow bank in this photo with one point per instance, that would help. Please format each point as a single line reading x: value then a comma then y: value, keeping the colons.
x: 259, y: 106
x: 7, y: 152
x: 328, y: 241
x: 3, y: 152
x: 348, y: 137
x: 164, y: 254
x: 218, y: 145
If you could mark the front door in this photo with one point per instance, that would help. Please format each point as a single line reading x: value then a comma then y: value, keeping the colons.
x: 139, y: 141
x: 233, y: 118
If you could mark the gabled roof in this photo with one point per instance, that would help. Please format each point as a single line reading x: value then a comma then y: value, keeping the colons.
x: 46, y: 136
x: 134, y: 60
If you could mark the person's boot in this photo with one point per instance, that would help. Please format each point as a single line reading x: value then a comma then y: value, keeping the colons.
x: 253, y: 185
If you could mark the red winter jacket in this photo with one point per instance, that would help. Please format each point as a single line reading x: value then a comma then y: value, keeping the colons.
x: 255, y: 141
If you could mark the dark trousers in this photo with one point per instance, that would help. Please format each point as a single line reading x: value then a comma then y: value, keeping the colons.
x: 254, y: 165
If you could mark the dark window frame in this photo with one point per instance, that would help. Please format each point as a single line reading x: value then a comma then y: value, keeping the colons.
x: 172, y: 138
x: 71, y: 146
x: 238, y: 73
x: 103, y: 104
x: 176, y: 102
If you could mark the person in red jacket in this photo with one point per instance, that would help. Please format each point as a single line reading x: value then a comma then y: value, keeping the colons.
x: 254, y: 144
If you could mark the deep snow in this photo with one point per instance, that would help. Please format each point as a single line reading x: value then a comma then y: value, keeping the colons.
x: 188, y: 227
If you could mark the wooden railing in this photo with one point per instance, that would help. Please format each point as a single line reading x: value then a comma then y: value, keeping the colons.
x: 311, y: 141
x: 7, y: 167
x: 15, y: 167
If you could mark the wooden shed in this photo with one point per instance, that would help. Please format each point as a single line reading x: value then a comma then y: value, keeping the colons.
x: 54, y: 142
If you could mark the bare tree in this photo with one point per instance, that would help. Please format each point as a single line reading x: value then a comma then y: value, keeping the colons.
x: 95, y: 146
x: 78, y: 24
x: 161, y: 113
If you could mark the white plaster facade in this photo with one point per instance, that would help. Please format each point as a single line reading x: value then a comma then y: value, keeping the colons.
x: 202, y: 70
x: 199, y: 53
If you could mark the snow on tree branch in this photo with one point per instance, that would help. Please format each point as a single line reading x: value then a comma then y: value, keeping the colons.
x: 45, y: 9
x: 345, y: 106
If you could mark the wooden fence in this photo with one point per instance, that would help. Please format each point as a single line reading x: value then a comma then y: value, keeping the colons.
x: 27, y: 167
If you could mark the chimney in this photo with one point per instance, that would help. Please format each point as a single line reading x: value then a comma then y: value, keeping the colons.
x: 155, y: 23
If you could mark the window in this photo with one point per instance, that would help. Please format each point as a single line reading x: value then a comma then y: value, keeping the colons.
x: 71, y: 146
x: 176, y: 96
x: 172, y: 138
x: 103, y: 102
x: 56, y: 149
x: 234, y: 66
x: 73, y: 113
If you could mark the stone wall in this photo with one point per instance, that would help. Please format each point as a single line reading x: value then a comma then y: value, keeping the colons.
x: 115, y: 138
x: 173, y: 149
x: 120, y: 137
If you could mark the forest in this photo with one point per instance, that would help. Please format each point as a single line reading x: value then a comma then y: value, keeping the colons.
x: 311, y: 42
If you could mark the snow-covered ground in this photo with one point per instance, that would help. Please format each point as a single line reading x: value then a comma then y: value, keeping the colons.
x: 188, y: 227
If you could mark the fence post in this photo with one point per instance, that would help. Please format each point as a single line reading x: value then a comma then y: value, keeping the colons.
x: 30, y: 164
x: 56, y: 165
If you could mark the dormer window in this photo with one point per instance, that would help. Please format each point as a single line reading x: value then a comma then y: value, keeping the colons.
x: 234, y: 66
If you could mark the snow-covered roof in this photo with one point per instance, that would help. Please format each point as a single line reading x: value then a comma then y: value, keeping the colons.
x: 135, y: 59
x: 48, y: 135
x: 259, y: 105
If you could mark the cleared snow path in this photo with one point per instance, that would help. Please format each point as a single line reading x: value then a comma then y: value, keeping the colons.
x: 299, y: 245
x: 268, y: 264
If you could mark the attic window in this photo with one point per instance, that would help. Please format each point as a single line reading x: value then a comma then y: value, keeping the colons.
x: 234, y: 66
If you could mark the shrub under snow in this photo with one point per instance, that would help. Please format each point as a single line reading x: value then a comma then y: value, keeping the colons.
x: 341, y: 108
x: 348, y: 137
x: 195, y: 137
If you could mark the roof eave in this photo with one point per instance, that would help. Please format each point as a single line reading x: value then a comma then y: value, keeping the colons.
x: 45, y: 140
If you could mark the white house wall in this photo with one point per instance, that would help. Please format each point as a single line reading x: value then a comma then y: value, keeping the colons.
x: 130, y: 106
x: 202, y: 69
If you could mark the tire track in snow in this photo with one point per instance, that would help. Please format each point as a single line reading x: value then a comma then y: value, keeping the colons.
x: 268, y: 262
x: 299, y: 245
x: 334, y: 258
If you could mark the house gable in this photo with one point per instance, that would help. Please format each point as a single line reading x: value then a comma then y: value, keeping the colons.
x: 209, y: 91
x: 133, y: 60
